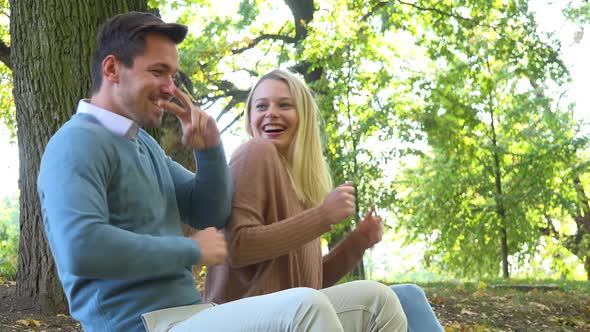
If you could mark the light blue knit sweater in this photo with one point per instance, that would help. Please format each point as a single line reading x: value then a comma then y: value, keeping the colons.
x: 112, y: 209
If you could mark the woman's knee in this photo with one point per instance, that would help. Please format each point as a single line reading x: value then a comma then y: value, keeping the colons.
x: 381, y: 295
x: 372, y: 289
x: 390, y: 311
x: 310, y: 297
x: 408, y: 291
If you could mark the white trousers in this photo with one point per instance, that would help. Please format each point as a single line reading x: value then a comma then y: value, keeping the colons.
x: 356, y: 306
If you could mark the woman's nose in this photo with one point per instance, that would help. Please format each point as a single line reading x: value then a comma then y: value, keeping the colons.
x: 272, y: 112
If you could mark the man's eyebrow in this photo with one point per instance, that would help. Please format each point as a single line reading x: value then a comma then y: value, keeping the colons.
x: 164, y: 66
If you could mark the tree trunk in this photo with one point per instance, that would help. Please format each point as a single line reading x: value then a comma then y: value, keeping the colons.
x: 499, y: 196
x: 52, y: 42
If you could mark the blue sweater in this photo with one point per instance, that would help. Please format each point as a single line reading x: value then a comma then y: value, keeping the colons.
x: 112, y: 209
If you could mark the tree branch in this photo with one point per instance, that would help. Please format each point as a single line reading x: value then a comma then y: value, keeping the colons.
x: 236, y: 99
x: 373, y: 10
x: 302, y: 11
x: 262, y: 37
x: 5, y: 54
x: 238, y: 117
x: 438, y: 11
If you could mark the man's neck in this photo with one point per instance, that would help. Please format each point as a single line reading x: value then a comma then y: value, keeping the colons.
x: 104, y: 101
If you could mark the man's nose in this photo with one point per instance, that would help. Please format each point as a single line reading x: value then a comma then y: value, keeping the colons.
x: 168, y: 87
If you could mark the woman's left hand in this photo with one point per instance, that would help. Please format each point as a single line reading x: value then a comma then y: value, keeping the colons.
x: 371, y: 227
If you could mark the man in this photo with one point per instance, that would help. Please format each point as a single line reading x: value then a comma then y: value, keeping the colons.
x: 113, y: 202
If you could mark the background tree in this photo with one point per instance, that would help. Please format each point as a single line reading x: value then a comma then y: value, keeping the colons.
x: 494, y: 141
x: 49, y: 58
x: 460, y: 87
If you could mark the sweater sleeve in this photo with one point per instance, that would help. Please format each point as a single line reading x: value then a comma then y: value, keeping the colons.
x: 341, y: 260
x: 72, y: 186
x: 251, y: 236
x: 204, y: 198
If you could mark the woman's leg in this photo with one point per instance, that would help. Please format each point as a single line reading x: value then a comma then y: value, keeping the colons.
x: 420, y: 316
x: 292, y: 310
x: 366, y: 306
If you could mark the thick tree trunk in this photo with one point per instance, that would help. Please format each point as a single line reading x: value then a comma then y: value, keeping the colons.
x: 52, y: 42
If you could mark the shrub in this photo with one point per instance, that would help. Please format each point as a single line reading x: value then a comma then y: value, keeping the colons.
x: 9, y: 233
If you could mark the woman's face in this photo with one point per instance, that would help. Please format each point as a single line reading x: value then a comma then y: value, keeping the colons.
x: 273, y: 115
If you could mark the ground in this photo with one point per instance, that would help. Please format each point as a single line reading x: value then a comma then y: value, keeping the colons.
x: 460, y: 307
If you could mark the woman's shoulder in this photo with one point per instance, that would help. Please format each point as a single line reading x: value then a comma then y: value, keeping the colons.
x: 255, y: 150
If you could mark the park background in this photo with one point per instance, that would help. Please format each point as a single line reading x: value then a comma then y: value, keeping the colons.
x: 465, y: 122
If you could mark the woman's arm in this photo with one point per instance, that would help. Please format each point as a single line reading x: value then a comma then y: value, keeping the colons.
x: 260, y: 187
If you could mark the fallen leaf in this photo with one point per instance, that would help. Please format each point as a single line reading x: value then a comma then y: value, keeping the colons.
x: 579, y: 323
x: 481, y: 285
x: 460, y: 286
x: 467, y: 312
x: 541, y: 306
x: 479, y: 293
x: 436, y: 300
x: 29, y: 322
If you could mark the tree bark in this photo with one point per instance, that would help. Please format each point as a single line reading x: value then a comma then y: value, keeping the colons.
x: 52, y: 43
x: 499, y: 196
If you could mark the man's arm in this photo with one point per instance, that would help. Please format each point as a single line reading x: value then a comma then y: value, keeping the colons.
x: 204, y: 198
x: 72, y: 184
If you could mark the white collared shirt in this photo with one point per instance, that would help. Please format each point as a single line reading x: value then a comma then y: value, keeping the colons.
x: 117, y: 124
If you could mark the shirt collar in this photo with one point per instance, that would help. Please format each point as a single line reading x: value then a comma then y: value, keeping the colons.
x: 117, y: 124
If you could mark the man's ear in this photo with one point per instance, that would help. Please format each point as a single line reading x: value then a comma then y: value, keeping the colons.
x: 111, y: 68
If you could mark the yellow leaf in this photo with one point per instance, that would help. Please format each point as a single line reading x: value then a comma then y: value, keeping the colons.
x: 481, y: 285
x: 449, y: 329
x: 29, y: 322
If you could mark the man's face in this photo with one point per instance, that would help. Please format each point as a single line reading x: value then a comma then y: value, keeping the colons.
x: 147, y: 81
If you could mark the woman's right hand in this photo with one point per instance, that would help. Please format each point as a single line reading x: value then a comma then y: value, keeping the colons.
x: 339, y: 204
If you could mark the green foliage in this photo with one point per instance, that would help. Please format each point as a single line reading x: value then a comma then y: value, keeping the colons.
x: 578, y: 11
x: 7, y: 108
x: 456, y: 89
x: 9, y: 232
x: 437, y: 110
x: 494, y: 141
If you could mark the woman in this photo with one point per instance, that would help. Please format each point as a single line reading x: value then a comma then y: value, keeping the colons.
x: 284, y: 202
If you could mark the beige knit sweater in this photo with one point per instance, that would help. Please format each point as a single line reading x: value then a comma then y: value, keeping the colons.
x: 274, y: 243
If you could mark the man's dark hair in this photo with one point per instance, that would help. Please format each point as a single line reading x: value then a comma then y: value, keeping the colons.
x: 123, y: 37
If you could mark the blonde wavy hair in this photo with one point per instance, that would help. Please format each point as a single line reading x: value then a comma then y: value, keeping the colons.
x: 307, y: 166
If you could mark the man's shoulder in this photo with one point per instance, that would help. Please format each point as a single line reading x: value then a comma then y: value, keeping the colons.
x: 81, y: 127
x: 79, y: 137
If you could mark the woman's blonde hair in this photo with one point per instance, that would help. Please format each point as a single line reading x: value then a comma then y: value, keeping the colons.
x: 308, y: 169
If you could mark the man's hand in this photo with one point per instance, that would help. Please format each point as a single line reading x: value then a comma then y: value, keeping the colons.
x: 199, y: 130
x: 212, y: 244
x: 339, y: 204
x: 371, y: 227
